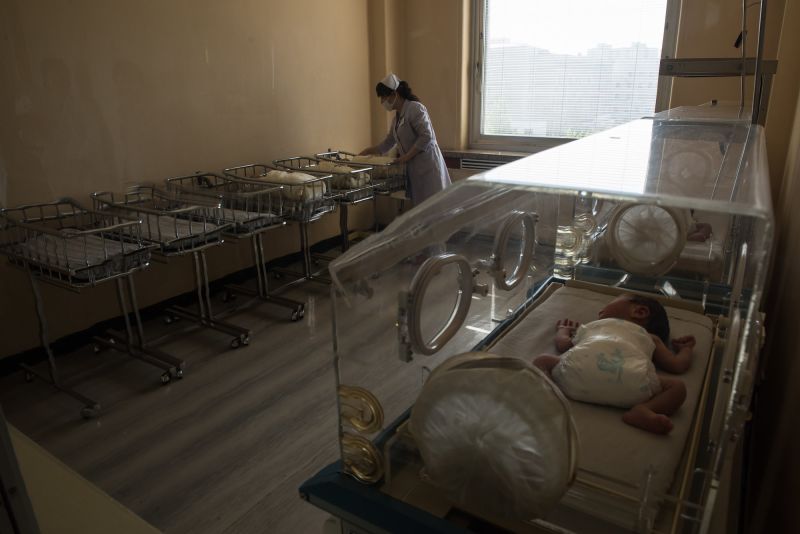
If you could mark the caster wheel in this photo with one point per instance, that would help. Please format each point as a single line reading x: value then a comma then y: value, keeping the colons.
x: 166, y: 378
x: 168, y: 320
x: 295, y: 316
x: 96, y: 349
x: 277, y: 276
x: 236, y: 343
x: 178, y: 373
x: 228, y: 296
x: 28, y: 377
x: 90, y: 412
x: 245, y: 340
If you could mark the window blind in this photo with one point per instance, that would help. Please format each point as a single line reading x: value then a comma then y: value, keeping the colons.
x: 570, y: 68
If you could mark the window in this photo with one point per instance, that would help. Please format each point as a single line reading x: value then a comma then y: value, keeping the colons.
x: 547, y: 72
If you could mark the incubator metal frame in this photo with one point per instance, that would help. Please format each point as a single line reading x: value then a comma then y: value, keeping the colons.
x: 170, y: 215
x: 75, y: 240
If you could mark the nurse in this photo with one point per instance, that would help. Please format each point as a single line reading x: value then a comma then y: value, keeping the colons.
x: 412, y: 132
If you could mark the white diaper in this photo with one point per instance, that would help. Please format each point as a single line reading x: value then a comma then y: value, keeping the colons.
x: 611, y: 363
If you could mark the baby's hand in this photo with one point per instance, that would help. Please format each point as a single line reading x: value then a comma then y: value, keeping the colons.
x: 569, y: 325
x: 685, y: 342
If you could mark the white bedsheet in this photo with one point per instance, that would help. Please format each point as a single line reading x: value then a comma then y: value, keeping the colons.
x: 609, y: 447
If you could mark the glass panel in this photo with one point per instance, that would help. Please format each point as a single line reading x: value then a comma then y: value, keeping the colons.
x: 543, y: 81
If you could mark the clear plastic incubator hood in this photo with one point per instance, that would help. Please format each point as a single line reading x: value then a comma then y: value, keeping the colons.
x: 444, y: 423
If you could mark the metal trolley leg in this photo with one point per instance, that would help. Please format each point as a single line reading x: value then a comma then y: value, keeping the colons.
x: 307, y: 273
x: 259, y: 258
x: 241, y: 336
x: 134, y: 343
x: 91, y: 408
x: 344, y: 226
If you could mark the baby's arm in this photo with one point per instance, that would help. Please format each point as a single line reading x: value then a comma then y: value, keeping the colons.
x: 677, y: 362
x: 702, y: 232
x: 565, y: 331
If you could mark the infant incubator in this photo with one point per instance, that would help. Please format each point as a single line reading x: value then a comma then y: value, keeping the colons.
x: 444, y: 423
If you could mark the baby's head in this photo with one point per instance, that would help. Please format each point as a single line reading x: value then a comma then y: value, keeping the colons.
x: 644, y: 311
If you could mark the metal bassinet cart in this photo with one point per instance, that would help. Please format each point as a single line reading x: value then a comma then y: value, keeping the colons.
x: 351, y: 183
x: 250, y: 208
x: 387, y: 177
x: 177, y: 227
x: 64, y: 244
x: 304, y: 201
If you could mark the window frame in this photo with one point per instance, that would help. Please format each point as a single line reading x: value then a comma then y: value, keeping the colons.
x: 537, y: 144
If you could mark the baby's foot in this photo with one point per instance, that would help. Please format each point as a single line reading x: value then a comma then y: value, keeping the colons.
x: 643, y: 417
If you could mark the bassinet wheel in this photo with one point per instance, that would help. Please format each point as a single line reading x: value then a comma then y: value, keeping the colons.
x: 228, y: 296
x: 178, y: 373
x: 28, y: 376
x: 297, y: 315
x: 276, y: 275
x: 245, y: 340
x: 166, y: 378
x: 235, y: 343
x: 90, y: 412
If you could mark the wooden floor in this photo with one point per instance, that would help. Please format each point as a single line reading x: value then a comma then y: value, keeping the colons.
x: 224, y: 449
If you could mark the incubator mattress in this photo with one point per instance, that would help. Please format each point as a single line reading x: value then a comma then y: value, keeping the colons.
x: 175, y: 234
x: 610, y: 449
x: 86, y: 259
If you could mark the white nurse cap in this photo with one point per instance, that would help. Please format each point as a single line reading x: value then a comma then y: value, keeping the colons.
x: 391, y: 81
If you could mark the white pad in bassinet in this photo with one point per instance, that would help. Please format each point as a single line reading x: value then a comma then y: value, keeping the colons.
x: 372, y: 159
x: 167, y: 229
x: 613, y: 453
x: 343, y: 176
x: 82, y: 256
x: 297, y: 185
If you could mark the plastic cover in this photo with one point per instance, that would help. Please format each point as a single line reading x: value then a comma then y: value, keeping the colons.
x: 496, y: 436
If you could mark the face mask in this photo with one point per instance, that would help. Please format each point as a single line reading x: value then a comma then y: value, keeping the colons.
x: 387, y: 105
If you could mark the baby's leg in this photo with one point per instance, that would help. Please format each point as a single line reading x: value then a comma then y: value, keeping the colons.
x: 652, y: 415
x: 546, y: 362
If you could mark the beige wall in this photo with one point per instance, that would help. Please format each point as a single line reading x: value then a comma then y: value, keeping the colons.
x: 425, y: 43
x: 775, y: 466
x: 99, y: 94
x: 709, y: 29
x: 386, y: 25
x: 435, y: 54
